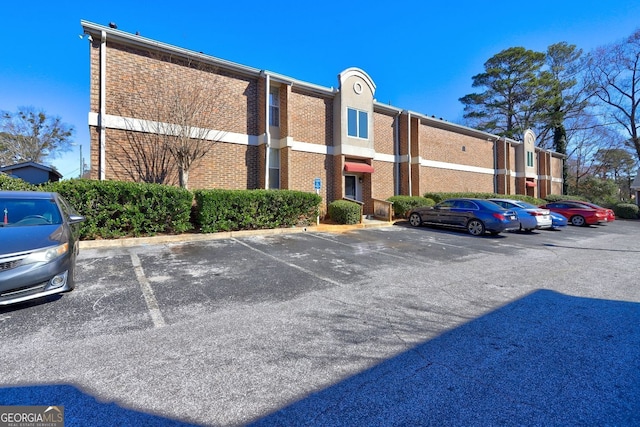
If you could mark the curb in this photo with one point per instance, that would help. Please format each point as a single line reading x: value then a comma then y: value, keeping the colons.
x: 182, y: 238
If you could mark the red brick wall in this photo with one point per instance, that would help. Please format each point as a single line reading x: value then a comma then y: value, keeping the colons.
x: 446, y: 180
x: 382, y: 185
x: 310, y: 118
x: 137, y: 81
x: 445, y: 146
x: 304, y: 167
x: 227, y: 166
x: 384, y: 133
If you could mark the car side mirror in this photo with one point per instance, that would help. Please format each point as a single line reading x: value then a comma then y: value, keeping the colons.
x: 74, y: 219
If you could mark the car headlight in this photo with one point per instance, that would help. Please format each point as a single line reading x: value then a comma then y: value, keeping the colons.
x: 46, y: 255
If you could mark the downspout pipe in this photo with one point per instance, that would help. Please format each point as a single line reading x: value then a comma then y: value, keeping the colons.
x: 267, y: 133
x: 103, y: 104
x: 505, y: 164
x: 397, y: 151
x: 495, y: 164
x: 409, y: 151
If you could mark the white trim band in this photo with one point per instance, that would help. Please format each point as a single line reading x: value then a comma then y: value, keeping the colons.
x: 457, y: 167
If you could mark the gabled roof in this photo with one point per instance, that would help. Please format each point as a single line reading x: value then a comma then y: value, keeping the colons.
x: 30, y: 165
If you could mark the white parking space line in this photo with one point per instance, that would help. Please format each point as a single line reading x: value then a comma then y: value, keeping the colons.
x: 297, y: 267
x: 147, y: 292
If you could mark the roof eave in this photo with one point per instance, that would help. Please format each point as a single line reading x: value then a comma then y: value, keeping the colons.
x: 143, y: 42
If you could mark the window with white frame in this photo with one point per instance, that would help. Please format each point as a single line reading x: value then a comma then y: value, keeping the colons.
x: 530, y: 159
x: 357, y: 123
x: 274, y: 168
x: 274, y: 106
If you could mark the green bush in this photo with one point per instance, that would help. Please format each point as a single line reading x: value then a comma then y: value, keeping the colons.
x: 231, y: 210
x: 626, y: 211
x: 14, y: 184
x: 403, y: 204
x: 345, y: 212
x: 438, y: 197
x: 122, y: 209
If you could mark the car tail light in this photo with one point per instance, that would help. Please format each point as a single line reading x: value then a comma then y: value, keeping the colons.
x: 498, y: 216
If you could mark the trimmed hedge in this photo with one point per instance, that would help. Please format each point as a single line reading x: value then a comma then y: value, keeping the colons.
x: 123, y: 209
x: 231, y: 210
x: 626, y: 211
x: 438, y: 197
x: 345, y: 212
x: 403, y: 204
x: 8, y: 183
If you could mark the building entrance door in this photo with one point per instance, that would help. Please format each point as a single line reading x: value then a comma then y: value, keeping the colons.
x: 352, y: 187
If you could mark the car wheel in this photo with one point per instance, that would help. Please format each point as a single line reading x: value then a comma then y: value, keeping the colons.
x: 415, y: 219
x: 578, y: 221
x: 475, y: 227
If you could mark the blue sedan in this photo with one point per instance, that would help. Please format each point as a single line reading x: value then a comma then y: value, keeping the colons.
x: 477, y: 216
x: 557, y: 220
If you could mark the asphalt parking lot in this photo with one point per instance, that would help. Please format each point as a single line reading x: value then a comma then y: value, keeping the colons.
x: 382, y: 326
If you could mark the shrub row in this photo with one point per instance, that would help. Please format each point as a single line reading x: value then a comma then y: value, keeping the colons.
x: 229, y: 210
x: 438, y: 197
x: 13, y: 184
x: 118, y: 209
x: 125, y: 209
x: 626, y: 211
x: 403, y: 204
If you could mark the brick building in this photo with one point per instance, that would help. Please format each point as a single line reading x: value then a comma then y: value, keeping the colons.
x: 272, y: 131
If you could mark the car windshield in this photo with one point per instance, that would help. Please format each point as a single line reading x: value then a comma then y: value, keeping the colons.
x: 28, y: 212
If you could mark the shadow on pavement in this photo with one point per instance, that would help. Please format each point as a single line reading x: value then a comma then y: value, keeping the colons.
x: 545, y: 359
x: 81, y: 409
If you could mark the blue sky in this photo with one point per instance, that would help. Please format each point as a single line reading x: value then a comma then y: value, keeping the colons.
x: 420, y: 54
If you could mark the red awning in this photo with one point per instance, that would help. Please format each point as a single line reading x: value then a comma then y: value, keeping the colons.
x: 530, y: 184
x: 357, y: 167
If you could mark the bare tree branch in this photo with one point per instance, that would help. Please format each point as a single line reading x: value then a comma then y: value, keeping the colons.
x: 166, y: 121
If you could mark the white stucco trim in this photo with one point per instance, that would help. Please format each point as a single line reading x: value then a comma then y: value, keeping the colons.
x: 389, y: 158
x: 457, y: 167
x: 308, y: 147
x: 525, y: 175
x: 139, y: 125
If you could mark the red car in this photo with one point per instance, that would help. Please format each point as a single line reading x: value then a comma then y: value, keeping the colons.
x: 578, y: 213
x: 611, y: 216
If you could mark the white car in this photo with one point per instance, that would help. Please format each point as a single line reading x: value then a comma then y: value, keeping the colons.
x: 530, y: 216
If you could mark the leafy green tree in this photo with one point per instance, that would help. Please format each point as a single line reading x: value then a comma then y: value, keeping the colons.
x: 600, y: 191
x: 29, y: 135
x: 567, y: 99
x: 620, y: 166
x: 513, y: 83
